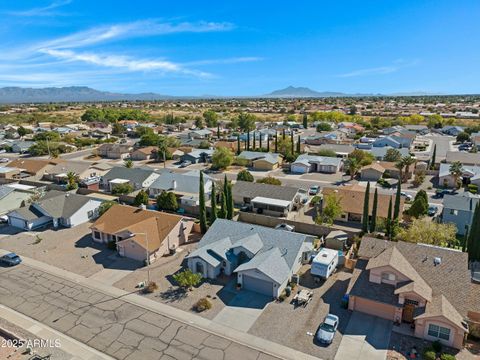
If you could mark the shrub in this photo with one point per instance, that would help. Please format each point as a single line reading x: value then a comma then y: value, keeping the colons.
x: 150, y: 287
x: 315, y: 200
x: 269, y: 180
x: 245, y: 175
x: 437, y: 346
x: 446, y: 356
x: 202, y: 305
x: 429, y: 354
x: 473, y: 188
x: 187, y: 279
x: 282, y: 297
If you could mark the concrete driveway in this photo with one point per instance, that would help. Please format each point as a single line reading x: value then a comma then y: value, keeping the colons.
x: 243, y: 310
x: 366, y: 337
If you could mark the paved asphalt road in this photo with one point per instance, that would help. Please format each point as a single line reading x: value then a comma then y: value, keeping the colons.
x: 111, y: 325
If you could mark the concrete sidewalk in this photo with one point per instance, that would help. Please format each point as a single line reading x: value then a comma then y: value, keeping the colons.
x: 262, y: 345
x: 78, y: 350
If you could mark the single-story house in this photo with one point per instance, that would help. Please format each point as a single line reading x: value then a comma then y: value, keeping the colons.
x: 426, y: 286
x: 114, y: 151
x: 200, y: 134
x: 458, y: 209
x: 351, y: 199
x: 263, y: 259
x: 465, y: 158
x: 182, y: 184
x: 452, y: 130
x: 470, y: 174
x: 268, y: 199
x: 312, y: 163
x: 372, y: 172
x: 198, y: 156
x: 56, y: 208
x: 9, y: 174
x: 58, y: 173
x: 380, y: 152
x: 342, y: 150
x: 137, y: 231
x: 22, y: 147
x: 12, y: 196
x: 394, y: 141
x: 137, y: 177
x: 145, y: 153
x: 261, y: 161
x: 34, y: 168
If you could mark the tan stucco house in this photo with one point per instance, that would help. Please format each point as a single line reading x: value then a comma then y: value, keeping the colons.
x: 137, y: 231
x: 422, y: 285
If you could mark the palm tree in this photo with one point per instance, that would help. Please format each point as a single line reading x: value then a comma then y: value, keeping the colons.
x: 72, y: 180
x: 408, y: 161
x: 400, y: 165
x: 353, y: 166
x: 456, y: 170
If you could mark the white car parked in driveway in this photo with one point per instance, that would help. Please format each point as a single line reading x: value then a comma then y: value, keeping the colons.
x: 326, y: 331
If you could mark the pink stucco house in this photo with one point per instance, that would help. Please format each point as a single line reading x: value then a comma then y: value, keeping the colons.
x: 426, y: 286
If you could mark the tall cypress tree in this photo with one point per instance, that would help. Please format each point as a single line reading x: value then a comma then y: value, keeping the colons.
x: 229, y: 198
x: 434, y: 155
x: 222, y: 214
x: 293, y: 142
x: 283, y: 134
x: 213, y: 205
x: 203, y: 214
x: 388, y: 227
x: 268, y: 143
x: 254, y: 142
x: 465, y: 241
x: 396, y: 209
x: 276, y: 142
x: 238, y: 144
x: 218, y: 131
x: 373, y: 220
x: 260, y: 142
x: 473, y: 246
x: 366, y: 201
x: 248, y: 140
x: 305, y: 121
x: 298, y: 145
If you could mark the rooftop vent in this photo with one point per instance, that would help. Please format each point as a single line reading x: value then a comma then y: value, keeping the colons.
x: 437, y: 261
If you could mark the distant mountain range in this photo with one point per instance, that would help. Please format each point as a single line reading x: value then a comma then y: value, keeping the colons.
x: 86, y: 94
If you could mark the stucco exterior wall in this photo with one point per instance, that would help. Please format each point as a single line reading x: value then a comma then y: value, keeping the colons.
x: 376, y: 275
x: 456, y: 334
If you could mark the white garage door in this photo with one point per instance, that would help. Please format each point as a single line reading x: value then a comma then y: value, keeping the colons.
x: 258, y: 285
x: 298, y: 169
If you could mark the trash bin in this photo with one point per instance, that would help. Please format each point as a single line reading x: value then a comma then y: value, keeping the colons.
x: 288, y: 291
x: 345, y: 301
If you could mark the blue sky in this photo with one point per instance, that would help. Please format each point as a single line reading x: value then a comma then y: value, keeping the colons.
x: 242, y: 47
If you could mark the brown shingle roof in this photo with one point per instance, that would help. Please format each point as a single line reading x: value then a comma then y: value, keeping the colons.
x: 451, y: 278
x: 351, y: 199
x: 440, y: 306
x: 123, y: 218
x: 374, y: 166
x: 32, y: 166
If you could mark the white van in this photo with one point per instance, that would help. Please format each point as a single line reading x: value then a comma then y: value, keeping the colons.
x: 324, y: 264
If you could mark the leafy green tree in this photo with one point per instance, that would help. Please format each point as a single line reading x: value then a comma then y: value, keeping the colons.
x: 246, y: 122
x: 222, y: 214
x: 128, y: 163
x: 422, y: 194
x: 211, y: 118
x: 222, y: 158
x: 425, y: 231
x: 141, y: 198
x: 204, y: 144
x: 373, y: 221
x: 245, y: 175
x: 104, y: 206
x: 21, y: 131
x: 419, y: 206
x: 199, y: 123
x: 213, y: 205
x: 353, y: 166
x: 167, y: 201
x: 366, y: 204
x: 327, y: 153
x: 323, y: 126
x: 331, y: 211
x: 362, y: 157
x: 72, y: 181
x: 122, y: 189
x: 463, y: 137
x: 202, y: 209
x: 269, y: 180
x: 47, y: 135
x: 392, y: 155
x: 187, y: 279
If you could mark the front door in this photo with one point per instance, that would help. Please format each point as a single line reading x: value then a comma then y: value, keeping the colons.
x: 407, y: 315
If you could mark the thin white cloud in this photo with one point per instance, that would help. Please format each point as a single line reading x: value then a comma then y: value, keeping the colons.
x: 131, y: 30
x: 123, y: 62
x: 234, y: 60
x: 381, y: 70
x: 41, y: 11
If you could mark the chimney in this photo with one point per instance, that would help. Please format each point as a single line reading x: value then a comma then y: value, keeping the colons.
x: 174, y: 184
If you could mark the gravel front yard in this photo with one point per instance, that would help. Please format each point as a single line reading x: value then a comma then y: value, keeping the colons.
x: 169, y: 293
x: 282, y: 323
x: 70, y: 249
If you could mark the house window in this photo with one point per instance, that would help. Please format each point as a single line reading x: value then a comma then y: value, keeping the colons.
x: 96, y: 235
x: 439, y: 332
x: 411, y: 302
x: 388, y: 277
x: 453, y: 212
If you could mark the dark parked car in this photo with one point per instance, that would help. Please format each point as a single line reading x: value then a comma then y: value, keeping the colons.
x: 432, y: 210
x: 11, y: 259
